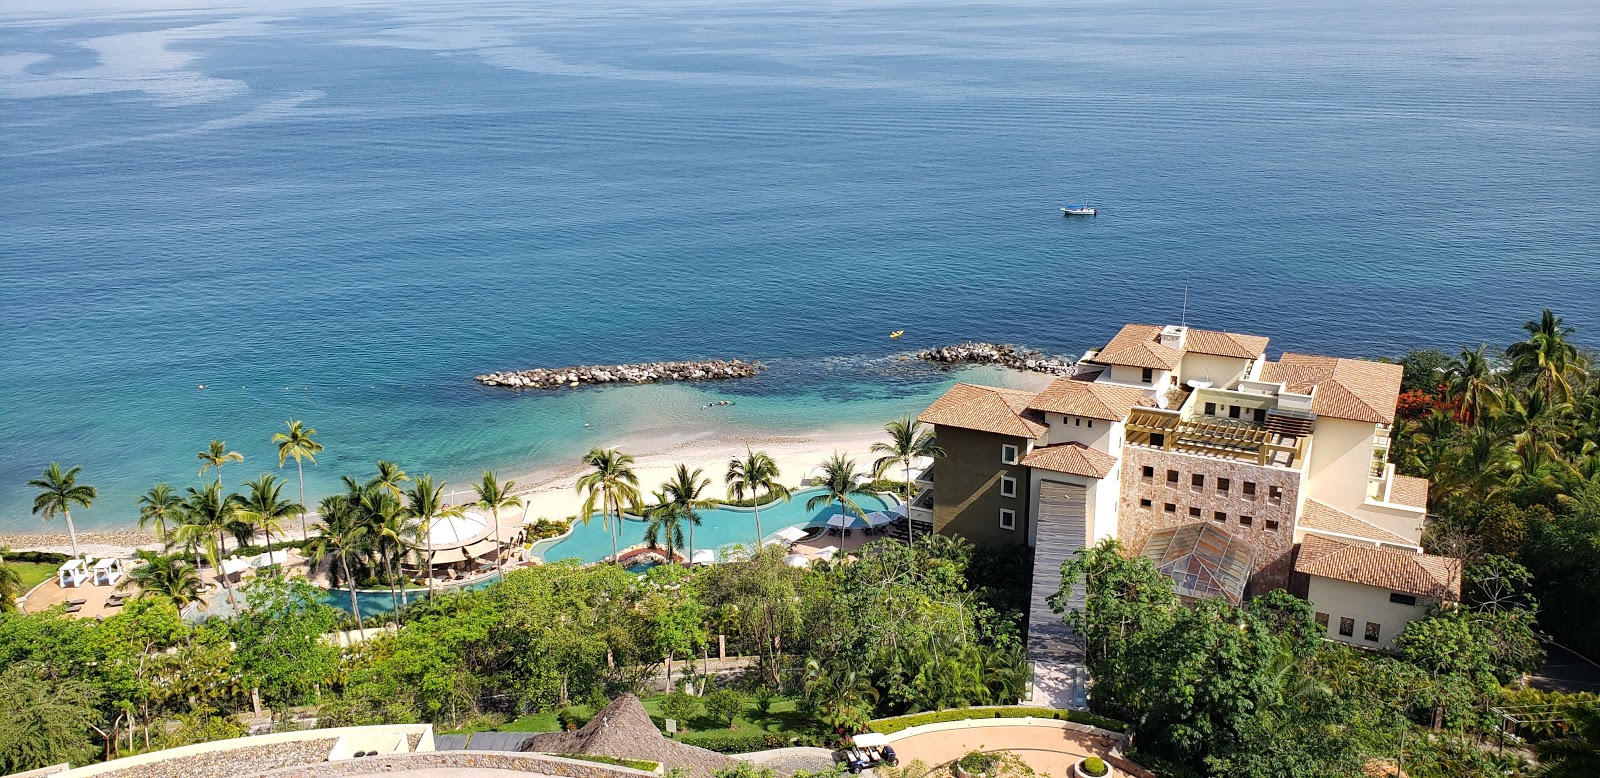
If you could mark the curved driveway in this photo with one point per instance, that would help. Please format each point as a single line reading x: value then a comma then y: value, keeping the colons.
x: 1051, y: 750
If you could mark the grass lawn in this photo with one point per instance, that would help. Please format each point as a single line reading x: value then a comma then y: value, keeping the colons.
x: 785, y: 719
x: 33, y: 573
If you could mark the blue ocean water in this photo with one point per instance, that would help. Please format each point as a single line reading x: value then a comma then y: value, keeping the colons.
x: 342, y: 213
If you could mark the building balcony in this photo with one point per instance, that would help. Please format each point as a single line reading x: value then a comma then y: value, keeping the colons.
x: 1235, y: 439
x: 923, y: 478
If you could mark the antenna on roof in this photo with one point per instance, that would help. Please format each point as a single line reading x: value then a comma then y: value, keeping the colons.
x: 1185, y: 319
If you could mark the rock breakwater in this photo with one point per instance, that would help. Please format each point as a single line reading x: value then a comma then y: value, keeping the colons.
x: 1005, y: 355
x: 651, y: 372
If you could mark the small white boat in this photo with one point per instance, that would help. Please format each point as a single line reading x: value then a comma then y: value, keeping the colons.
x: 1077, y: 210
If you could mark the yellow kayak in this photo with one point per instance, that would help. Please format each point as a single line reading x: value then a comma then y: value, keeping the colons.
x: 896, y: 334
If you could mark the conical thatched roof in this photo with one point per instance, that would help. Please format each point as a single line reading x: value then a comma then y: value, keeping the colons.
x: 624, y: 730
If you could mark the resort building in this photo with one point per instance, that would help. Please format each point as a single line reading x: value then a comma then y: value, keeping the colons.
x: 1171, y: 427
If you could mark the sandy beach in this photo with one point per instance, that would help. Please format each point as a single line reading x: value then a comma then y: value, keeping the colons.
x: 551, y: 493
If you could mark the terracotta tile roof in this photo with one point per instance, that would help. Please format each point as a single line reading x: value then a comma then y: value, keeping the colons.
x: 986, y: 409
x: 1399, y: 571
x: 1225, y: 344
x: 1074, y: 458
x: 1138, y: 345
x: 1324, y: 517
x: 1409, y: 490
x: 1087, y: 398
x: 1345, y: 388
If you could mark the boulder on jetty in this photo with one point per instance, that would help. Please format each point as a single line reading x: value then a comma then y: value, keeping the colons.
x: 1005, y: 355
x: 573, y: 377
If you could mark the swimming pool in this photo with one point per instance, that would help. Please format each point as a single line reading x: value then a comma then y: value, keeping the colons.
x: 375, y: 602
x: 718, y: 527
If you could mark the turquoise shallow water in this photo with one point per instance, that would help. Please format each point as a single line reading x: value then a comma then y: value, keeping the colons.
x: 718, y: 527
x: 340, y: 214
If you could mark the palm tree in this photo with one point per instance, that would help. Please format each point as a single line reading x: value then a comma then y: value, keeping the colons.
x: 1547, y: 359
x: 216, y: 455
x: 206, y: 516
x: 908, y: 440
x: 613, y: 482
x: 756, y: 473
x: 391, y: 530
x: 666, y: 525
x: 425, y: 503
x: 841, y: 484
x: 1575, y: 754
x: 263, y: 509
x: 296, y: 443
x: 1470, y: 383
x: 157, y: 507
x: 341, y: 535
x: 685, y: 492
x: 1476, y: 469
x: 58, y: 492
x: 390, y: 476
x: 169, y: 577
x: 1536, y: 424
x: 493, y: 495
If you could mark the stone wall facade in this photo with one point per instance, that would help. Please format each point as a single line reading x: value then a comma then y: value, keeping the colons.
x: 231, y: 762
x: 1271, y: 519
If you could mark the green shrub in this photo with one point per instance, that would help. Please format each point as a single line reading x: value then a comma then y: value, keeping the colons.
x: 723, y: 705
x: 764, y: 698
x: 679, y: 705
x: 891, y: 725
x: 545, y: 529
x: 569, y: 719
x: 41, y: 557
x: 1096, y: 766
x: 977, y: 762
x: 729, y: 742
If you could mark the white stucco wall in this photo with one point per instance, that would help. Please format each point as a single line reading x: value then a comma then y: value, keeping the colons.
x: 1342, y: 599
x: 1134, y: 376
x: 1340, y: 460
x: 1222, y: 372
x: 1100, y: 434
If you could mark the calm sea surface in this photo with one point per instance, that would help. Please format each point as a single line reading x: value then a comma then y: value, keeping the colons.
x: 342, y: 214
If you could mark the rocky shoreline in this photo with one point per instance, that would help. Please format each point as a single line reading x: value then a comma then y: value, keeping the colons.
x: 1002, y: 354
x: 647, y: 373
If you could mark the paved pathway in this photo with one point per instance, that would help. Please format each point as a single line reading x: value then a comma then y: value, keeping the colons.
x: 1049, y: 750
x: 788, y: 760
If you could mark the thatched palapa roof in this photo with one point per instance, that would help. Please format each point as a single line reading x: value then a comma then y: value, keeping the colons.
x: 624, y: 730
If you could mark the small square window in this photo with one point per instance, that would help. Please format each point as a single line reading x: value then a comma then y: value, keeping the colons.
x: 1148, y: 473
x: 1091, y: 424
x: 1172, y: 476
x: 1198, y: 481
x: 1249, y: 489
x: 1170, y: 508
x: 1008, y: 454
x: 1272, y: 524
x: 1211, y: 409
x: 1372, y: 631
x: 1008, y: 518
x: 1322, y: 621
x: 1245, y: 521
x: 1194, y: 512
x: 1347, y: 627
x: 1145, y: 503
x: 1223, y: 485
x: 1148, y: 376
x: 1233, y: 411
x: 1274, y: 495
x: 1219, y: 516
x: 1008, y: 486
x: 1077, y: 422
x: 1402, y: 599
